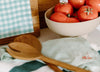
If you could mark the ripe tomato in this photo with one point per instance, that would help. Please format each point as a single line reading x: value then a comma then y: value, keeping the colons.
x: 65, y: 8
x: 72, y: 20
x: 58, y: 17
x: 75, y: 14
x: 87, y: 13
x: 76, y: 3
x: 94, y: 3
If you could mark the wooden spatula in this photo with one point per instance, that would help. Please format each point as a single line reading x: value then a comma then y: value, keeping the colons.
x: 33, y: 41
x: 27, y: 52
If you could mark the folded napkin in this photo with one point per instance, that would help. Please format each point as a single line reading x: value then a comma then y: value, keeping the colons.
x: 15, y: 17
x: 73, y: 50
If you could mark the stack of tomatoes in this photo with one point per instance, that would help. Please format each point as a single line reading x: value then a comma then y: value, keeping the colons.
x: 76, y: 11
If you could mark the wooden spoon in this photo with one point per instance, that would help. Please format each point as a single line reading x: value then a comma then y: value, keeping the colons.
x: 27, y: 52
x: 29, y: 39
x: 33, y: 41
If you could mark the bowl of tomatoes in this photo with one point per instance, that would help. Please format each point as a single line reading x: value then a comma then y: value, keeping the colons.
x: 73, y: 19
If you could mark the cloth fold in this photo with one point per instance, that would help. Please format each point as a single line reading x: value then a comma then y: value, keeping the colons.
x: 76, y: 51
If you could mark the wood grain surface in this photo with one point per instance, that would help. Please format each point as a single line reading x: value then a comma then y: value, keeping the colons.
x: 46, y: 4
x: 43, y: 6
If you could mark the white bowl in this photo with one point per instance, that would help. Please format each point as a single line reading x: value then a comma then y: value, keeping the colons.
x: 70, y: 29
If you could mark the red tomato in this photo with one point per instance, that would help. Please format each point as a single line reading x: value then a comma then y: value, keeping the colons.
x: 87, y: 13
x: 77, y: 3
x: 75, y: 15
x: 65, y: 8
x: 94, y: 3
x: 72, y: 20
x: 58, y: 17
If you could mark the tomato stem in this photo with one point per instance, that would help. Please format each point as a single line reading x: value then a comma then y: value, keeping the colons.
x: 62, y: 2
x: 68, y: 15
x: 88, y: 11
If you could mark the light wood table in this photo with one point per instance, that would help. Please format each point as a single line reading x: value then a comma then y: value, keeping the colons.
x: 93, y: 37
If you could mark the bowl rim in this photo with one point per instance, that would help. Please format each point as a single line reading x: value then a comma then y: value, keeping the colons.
x: 67, y: 23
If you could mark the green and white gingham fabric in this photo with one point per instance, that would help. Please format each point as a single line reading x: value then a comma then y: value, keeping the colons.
x: 15, y: 18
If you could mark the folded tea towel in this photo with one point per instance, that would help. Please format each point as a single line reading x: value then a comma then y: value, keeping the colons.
x: 74, y: 50
x: 15, y: 17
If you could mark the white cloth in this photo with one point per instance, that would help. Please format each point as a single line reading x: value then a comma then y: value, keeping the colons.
x: 74, y: 50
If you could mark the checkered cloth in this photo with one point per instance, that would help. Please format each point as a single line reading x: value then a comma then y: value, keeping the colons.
x: 15, y: 17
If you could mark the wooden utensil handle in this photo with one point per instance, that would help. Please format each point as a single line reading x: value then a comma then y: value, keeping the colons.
x: 62, y: 64
x: 54, y: 67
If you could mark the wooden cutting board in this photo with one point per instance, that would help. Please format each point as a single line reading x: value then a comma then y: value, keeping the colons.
x: 43, y: 6
x: 46, y: 4
x: 38, y: 8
